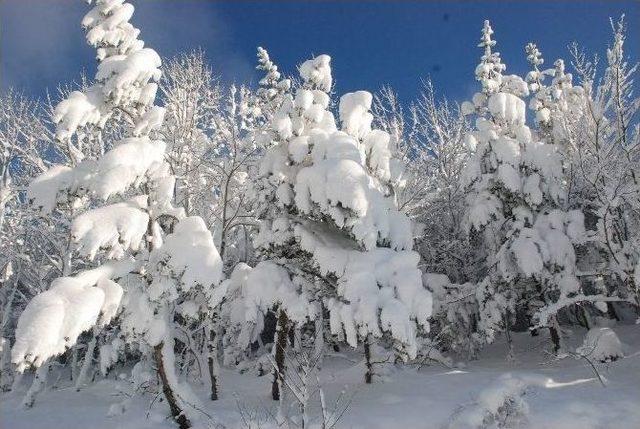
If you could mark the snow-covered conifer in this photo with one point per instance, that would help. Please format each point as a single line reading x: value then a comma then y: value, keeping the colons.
x: 332, y: 221
x: 164, y: 256
x: 515, y: 185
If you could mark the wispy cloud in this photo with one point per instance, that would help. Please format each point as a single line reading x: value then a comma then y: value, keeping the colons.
x: 42, y: 44
x: 39, y: 41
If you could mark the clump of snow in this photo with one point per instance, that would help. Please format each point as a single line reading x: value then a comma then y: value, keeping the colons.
x: 77, y: 110
x: 379, y: 290
x: 501, y: 404
x: 124, y: 77
x: 125, y: 165
x: 132, y: 161
x: 354, y: 113
x: 151, y: 120
x: 43, y: 191
x: 318, y: 72
x: 269, y: 284
x: 118, y: 227
x: 108, y: 26
x: 53, y: 320
x: 507, y: 107
x: 189, y: 255
x: 602, y: 345
x: 112, y: 296
x: 336, y: 185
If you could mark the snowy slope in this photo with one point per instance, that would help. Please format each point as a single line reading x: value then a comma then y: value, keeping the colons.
x: 565, y: 394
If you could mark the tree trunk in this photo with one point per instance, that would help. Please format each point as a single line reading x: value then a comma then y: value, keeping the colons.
x: 176, y: 412
x: 5, y: 365
x: 39, y: 381
x: 212, y: 360
x: 555, y: 338
x: 319, y: 338
x: 280, y: 343
x: 5, y: 358
x: 86, y: 363
x: 507, y: 332
x: 368, y: 375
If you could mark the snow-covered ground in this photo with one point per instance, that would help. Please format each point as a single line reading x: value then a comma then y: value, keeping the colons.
x: 563, y: 393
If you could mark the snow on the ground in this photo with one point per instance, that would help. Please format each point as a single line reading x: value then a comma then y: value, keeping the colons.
x: 557, y: 394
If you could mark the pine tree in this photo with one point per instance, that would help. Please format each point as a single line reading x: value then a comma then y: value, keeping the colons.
x: 516, y: 199
x: 331, y: 220
x: 167, y: 262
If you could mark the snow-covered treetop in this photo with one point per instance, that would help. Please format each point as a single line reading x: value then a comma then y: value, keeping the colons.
x: 264, y: 63
x: 316, y: 73
x: 109, y: 30
x: 535, y: 77
x: 489, y: 71
x: 555, y: 103
x: 126, y: 71
x: 534, y: 56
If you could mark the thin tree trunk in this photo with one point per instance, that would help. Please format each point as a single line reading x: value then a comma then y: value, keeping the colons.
x: 368, y: 375
x: 5, y: 366
x: 159, y: 354
x: 319, y: 339
x: 5, y: 358
x: 280, y: 343
x: 554, y: 331
x: 212, y: 360
x: 176, y: 412
x: 507, y: 332
x: 86, y: 363
x: 39, y: 381
x: 74, y: 363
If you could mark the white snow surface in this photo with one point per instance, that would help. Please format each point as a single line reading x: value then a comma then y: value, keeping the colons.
x: 601, y: 344
x: 559, y: 394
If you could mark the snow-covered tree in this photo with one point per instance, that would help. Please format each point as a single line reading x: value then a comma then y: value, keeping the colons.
x: 331, y: 222
x: 163, y: 258
x: 605, y: 144
x: 515, y: 201
x: 589, y: 123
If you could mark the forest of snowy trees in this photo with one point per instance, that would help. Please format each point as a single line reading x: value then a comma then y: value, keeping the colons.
x: 155, y: 220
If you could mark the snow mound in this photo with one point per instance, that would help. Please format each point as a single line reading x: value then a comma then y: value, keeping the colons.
x: 601, y: 344
x: 501, y: 404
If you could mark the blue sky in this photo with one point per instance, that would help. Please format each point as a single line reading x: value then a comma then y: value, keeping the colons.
x: 371, y: 42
